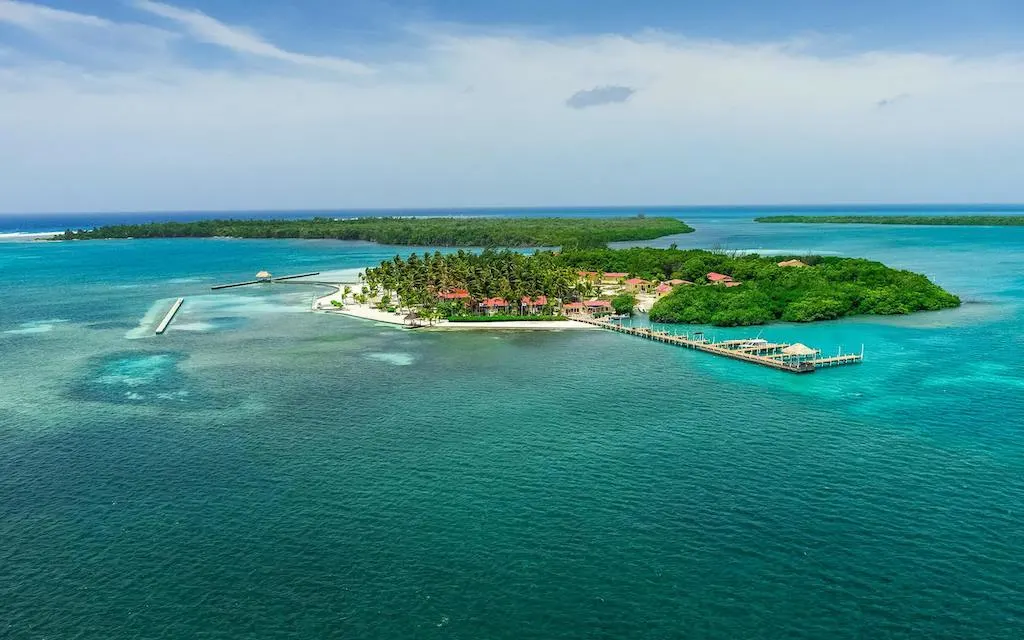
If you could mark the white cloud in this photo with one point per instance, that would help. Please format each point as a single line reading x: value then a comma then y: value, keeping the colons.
x: 480, y: 119
x: 211, y: 31
x: 37, y: 17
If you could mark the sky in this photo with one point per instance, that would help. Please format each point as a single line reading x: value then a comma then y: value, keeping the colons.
x: 139, y: 105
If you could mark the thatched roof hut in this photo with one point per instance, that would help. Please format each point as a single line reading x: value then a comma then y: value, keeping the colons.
x: 799, y: 349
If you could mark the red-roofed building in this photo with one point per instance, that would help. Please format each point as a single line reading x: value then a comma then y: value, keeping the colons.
x: 573, y: 307
x: 638, y: 285
x: 613, y: 277
x: 598, y: 306
x: 454, y: 294
x: 492, y: 306
x: 664, y: 289
x: 675, y: 282
x: 718, y: 278
x: 533, y: 305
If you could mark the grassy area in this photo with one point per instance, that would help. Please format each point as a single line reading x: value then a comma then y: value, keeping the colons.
x: 440, y: 232
x: 973, y: 221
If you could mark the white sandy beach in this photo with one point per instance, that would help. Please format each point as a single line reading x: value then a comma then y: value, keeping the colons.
x: 366, y: 312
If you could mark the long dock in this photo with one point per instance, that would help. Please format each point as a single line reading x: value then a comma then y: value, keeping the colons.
x: 160, y: 328
x: 298, y: 275
x: 772, y: 355
x: 278, y: 279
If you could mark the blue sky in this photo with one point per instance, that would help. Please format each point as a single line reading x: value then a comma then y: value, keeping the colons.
x: 257, y: 104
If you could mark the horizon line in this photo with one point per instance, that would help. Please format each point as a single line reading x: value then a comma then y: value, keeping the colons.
x: 455, y: 210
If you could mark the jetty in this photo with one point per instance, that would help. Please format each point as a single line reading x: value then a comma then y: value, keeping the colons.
x: 263, y: 277
x: 792, y: 358
x: 160, y: 328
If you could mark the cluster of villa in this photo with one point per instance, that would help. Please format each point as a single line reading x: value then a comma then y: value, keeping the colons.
x: 610, y: 283
x: 527, y: 305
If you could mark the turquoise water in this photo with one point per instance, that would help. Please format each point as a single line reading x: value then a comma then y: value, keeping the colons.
x: 262, y: 471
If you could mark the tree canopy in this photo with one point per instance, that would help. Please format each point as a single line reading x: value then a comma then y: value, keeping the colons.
x: 828, y: 288
x: 439, y: 232
x: 419, y: 280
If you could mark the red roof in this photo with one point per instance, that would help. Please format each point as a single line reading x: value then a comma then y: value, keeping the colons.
x: 615, y: 275
x: 454, y: 294
x: 598, y: 303
x: 719, y: 277
x: 539, y: 301
x: 572, y: 305
x: 636, y: 281
x: 664, y: 287
x: 676, y: 281
x: 494, y: 302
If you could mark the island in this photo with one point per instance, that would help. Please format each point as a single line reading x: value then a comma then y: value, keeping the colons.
x: 963, y: 221
x: 413, y: 231
x: 675, y: 286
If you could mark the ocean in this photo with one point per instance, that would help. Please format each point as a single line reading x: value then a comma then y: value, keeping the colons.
x: 263, y: 471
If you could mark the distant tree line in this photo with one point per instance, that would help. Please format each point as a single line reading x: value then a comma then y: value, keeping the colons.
x: 433, y: 232
x: 975, y: 221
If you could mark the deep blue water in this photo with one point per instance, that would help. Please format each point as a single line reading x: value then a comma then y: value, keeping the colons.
x: 263, y: 471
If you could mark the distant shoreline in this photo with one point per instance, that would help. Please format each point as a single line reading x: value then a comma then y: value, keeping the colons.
x: 411, y: 231
x: 938, y: 221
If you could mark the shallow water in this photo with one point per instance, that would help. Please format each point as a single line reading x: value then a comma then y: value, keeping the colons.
x: 261, y: 471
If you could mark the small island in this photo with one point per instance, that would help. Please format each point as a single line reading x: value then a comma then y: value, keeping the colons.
x: 951, y: 221
x: 673, y: 285
x: 412, y: 231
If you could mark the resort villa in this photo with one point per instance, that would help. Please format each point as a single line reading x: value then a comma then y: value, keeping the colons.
x: 493, y: 306
x: 637, y: 285
x: 598, y: 306
x: 722, y: 279
x: 454, y: 294
x: 613, y: 277
x: 533, y: 306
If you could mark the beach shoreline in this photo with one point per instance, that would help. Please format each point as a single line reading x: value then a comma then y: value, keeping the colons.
x: 325, y: 304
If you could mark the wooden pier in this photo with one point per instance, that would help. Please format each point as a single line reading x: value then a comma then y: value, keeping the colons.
x: 262, y: 280
x: 160, y: 328
x: 793, y: 358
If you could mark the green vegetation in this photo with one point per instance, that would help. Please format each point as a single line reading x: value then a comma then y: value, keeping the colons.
x: 419, y: 280
x: 624, y: 303
x: 995, y: 221
x: 501, y: 318
x: 442, y: 232
x: 826, y: 289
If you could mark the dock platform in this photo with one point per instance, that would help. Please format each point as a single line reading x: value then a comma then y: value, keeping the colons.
x: 166, y: 322
x: 776, y: 356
